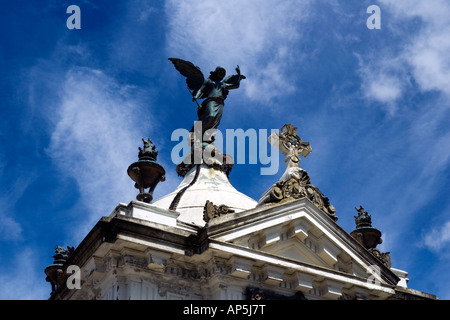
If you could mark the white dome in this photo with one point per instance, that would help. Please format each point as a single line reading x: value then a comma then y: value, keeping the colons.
x: 212, y: 185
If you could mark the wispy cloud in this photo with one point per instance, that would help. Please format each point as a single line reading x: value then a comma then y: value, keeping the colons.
x: 95, y: 138
x: 428, y: 53
x: 10, y: 228
x: 21, y: 278
x: 422, y: 55
x: 258, y: 35
x: 438, y: 238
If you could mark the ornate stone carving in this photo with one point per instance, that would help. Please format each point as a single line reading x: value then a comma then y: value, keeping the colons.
x: 56, y: 272
x: 146, y: 172
x: 209, y: 155
x: 290, y: 144
x: 384, y: 257
x: 297, y: 187
x: 368, y: 236
x: 211, y: 211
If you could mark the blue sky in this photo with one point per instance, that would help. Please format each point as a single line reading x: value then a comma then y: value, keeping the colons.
x: 74, y: 105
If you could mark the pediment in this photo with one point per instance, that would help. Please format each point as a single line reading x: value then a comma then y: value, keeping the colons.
x: 300, y: 232
x: 294, y: 249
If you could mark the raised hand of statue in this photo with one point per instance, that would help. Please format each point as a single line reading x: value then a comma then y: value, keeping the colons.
x: 238, y: 70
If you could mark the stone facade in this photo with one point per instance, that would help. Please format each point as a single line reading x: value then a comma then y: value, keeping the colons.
x: 206, y: 240
x: 291, y: 250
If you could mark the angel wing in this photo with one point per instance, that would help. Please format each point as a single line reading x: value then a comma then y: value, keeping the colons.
x: 193, y: 74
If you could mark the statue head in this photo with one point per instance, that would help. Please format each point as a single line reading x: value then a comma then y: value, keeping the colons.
x: 217, y: 74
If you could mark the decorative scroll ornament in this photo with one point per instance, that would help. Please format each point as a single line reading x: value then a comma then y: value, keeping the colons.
x: 211, y: 211
x: 295, y: 182
x: 384, y: 257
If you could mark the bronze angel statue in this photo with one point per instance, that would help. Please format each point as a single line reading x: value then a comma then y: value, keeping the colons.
x: 214, y: 90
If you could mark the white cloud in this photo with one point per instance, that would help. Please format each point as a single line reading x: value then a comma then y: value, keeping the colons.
x: 22, y: 279
x: 438, y: 238
x: 423, y: 54
x: 96, y: 138
x: 10, y: 230
x: 260, y: 36
x: 384, y: 88
x: 380, y: 80
x: 435, y: 12
x: 429, y: 57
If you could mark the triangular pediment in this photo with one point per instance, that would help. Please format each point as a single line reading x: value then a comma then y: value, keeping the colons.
x: 299, y: 231
x: 294, y: 249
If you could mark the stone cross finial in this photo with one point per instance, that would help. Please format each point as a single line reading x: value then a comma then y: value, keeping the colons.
x: 295, y: 182
x: 290, y: 145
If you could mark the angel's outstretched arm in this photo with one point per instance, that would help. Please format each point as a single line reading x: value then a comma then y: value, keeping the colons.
x: 233, y: 82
